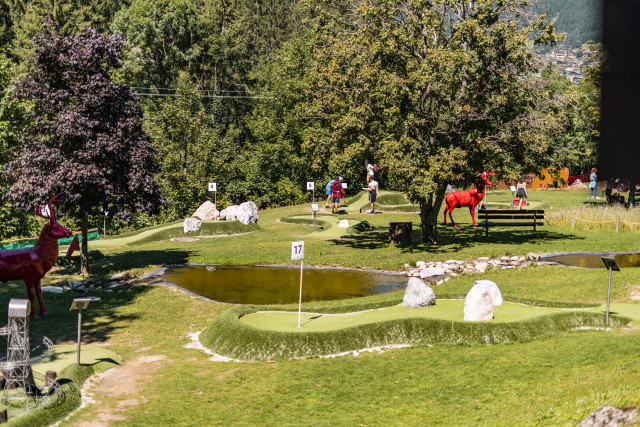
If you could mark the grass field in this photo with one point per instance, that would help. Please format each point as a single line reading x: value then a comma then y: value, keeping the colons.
x: 550, y: 380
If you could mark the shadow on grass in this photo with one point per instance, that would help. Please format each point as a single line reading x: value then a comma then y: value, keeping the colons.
x: 101, y: 265
x: 99, y: 321
x: 453, y: 238
x: 102, y: 319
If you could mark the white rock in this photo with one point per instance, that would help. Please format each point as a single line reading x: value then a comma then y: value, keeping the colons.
x: 482, y: 267
x: 478, y: 305
x: 450, y: 261
x: 246, y: 213
x: 532, y: 256
x: 191, y: 224
x: 521, y: 259
x: 483, y: 258
x: 431, y: 271
x: 421, y: 264
x: 418, y: 294
x: 514, y: 258
x: 343, y: 223
x: 229, y: 213
x: 121, y: 276
x: 494, y: 291
x: 52, y: 289
x: 504, y: 258
x: 207, y: 211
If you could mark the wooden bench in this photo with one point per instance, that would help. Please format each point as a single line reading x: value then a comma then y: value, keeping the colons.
x: 519, y: 218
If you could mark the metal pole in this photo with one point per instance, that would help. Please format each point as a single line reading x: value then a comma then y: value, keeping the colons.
x: 314, y: 221
x: 608, y: 297
x: 300, y: 298
x: 215, y: 198
x: 79, y: 323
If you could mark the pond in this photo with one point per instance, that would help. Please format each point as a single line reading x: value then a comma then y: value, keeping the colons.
x: 280, y: 285
x: 594, y: 259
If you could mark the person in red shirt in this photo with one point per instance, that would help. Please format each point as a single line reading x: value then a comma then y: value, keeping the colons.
x: 337, y: 192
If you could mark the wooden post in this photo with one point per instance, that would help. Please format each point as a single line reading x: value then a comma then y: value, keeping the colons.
x: 400, y: 232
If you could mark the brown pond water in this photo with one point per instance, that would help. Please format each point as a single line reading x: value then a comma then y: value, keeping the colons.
x: 280, y: 285
x: 595, y: 260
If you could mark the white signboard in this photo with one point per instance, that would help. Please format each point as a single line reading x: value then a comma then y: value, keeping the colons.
x: 314, y: 207
x: 297, y: 250
x: 310, y: 185
x: 344, y: 185
x: 212, y: 187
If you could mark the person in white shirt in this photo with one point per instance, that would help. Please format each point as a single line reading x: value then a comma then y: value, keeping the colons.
x: 370, y: 168
x: 373, y: 193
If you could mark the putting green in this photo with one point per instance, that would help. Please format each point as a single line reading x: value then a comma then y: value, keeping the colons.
x: 66, y: 355
x: 451, y: 310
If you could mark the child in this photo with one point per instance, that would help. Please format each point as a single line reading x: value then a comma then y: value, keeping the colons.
x: 373, y: 193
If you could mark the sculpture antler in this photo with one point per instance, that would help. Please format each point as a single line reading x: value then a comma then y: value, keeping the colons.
x: 47, y: 211
x: 490, y: 173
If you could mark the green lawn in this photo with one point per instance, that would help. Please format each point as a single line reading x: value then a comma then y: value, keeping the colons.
x: 555, y: 379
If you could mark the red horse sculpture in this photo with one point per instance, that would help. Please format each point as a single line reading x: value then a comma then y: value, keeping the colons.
x: 467, y: 198
x: 31, y: 264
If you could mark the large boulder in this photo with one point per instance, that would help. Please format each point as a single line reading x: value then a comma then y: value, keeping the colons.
x: 418, y: 294
x: 611, y: 416
x: 207, y: 211
x: 229, y: 213
x: 478, y: 305
x: 191, y: 224
x: 496, y: 296
x: 247, y: 212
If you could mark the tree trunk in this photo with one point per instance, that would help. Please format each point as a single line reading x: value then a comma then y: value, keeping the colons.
x: 429, y: 211
x: 84, y: 246
x: 632, y: 193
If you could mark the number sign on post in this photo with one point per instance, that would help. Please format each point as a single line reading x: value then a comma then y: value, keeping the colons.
x: 297, y: 253
x: 311, y: 185
x: 213, y: 187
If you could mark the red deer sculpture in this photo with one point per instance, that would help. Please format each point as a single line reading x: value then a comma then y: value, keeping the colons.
x: 467, y: 198
x: 31, y: 264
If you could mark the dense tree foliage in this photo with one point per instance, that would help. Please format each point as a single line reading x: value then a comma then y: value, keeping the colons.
x: 437, y: 90
x: 261, y: 96
x: 84, y: 140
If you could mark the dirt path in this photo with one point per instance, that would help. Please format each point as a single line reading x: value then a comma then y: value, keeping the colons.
x: 122, y: 384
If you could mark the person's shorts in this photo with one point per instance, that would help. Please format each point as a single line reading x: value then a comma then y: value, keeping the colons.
x: 521, y: 193
x: 592, y: 184
x: 335, y: 199
x: 328, y: 192
x: 372, y: 196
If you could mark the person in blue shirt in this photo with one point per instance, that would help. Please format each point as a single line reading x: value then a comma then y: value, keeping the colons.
x: 328, y: 191
x: 593, y: 184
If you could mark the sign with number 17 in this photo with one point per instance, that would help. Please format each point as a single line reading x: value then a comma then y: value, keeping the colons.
x: 297, y: 250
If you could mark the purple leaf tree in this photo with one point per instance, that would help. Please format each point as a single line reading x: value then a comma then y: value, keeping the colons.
x: 85, y: 139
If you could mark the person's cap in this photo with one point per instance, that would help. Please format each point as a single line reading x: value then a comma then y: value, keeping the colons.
x: 340, y: 178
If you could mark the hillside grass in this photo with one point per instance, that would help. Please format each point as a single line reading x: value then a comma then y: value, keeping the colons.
x: 556, y: 378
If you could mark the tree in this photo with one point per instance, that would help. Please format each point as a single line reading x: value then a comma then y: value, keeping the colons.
x: 434, y: 90
x: 84, y: 139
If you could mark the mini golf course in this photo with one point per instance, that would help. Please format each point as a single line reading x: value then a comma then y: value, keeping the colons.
x: 263, y: 333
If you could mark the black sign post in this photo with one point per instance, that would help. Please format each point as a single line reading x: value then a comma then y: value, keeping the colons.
x: 611, y: 264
